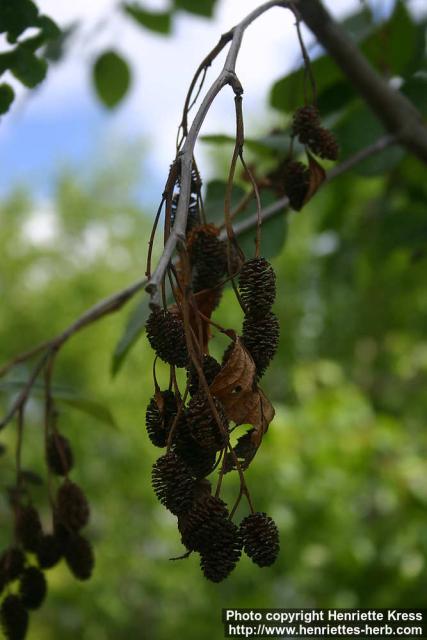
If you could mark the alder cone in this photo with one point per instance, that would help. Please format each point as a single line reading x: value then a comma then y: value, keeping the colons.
x: 257, y: 285
x: 79, y: 557
x: 260, y: 538
x: 59, y: 454
x: 166, y: 335
x: 14, y: 618
x: 48, y: 551
x: 199, y: 461
x: 32, y: 588
x: 208, y: 256
x: 296, y: 182
x: 325, y: 145
x: 172, y: 483
x: 12, y: 562
x: 210, y: 368
x: 261, y: 338
x: 219, y: 559
x: 28, y: 528
x: 202, y: 424
x: 306, y: 122
x: 201, y: 524
x: 159, y: 420
x: 72, y: 506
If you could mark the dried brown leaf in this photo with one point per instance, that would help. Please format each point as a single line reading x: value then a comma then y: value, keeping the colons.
x: 317, y: 177
x: 237, y: 374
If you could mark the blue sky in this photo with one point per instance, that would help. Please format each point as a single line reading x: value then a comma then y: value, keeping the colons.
x: 62, y: 124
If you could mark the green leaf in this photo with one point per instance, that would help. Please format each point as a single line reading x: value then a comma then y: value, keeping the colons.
x: 358, y: 129
x: 287, y: 94
x: 273, y: 231
x: 199, y: 7
x: 112, y: 78
x: 16, y: 16
x: 27, y: 67
x: 214, y: 200
x: 7, y: 96
x: 67, y: 396
x: 160, y: 22
x: 394, y: 46
x: 265, y: 144
x: 134, y: 328
x: 416, y: 90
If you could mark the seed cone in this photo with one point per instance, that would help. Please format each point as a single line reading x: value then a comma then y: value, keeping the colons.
x: 306, y: 122
x: 201, y: 524
x: 202, y: 424
x: 210, y: 368
x: 79, y: 557
x: 28, y: 528
x: 261, y: 338
x: 260, y: 538
x: 59, y: 454
x: 223, y: 554
x: 166, y: 335
x: 14, y: 618
x: 208, y: 257
x: 199, y: 461
x: 12, y: 563
x: 325, y: 145
x: 172, y: 483
x: 296, y: 181
x: 257, y: 285
x: 159, y: 417
x: 32, y: 588
x: 48, y: 551
x: 72, y: 506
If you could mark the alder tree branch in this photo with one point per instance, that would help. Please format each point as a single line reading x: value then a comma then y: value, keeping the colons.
x: 397, y: 113
x: 393, y: 109
x: 184, y: 158
x: 117, y: 301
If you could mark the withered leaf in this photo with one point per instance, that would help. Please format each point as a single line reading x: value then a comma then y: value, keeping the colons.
x: 317, y: 177
x: 243, y: 401
x: 237, y: 374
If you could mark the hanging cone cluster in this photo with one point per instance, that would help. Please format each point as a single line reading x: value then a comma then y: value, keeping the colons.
x: 32, y: 588
x: 261, y: 338
x: 260, y: 538
x: 257, y: 286
x: 307, y: 128
x: 173, y: 483
x: 23, y: 565
x: 203, y: 425
x: 159, y: 417
x: 14, y: 618
x: 208, y: 256
x: 296, y: 180
x: 195, y: 424
x: 59, y: 454
x: 166, y: 335
x: 210, y: 367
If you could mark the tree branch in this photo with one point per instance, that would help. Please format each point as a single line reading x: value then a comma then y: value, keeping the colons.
x: 393, y: 109
x: 185, y: 156
x: 117, y: 301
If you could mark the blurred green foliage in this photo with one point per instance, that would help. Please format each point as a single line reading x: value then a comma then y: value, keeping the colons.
x: 343, y: 466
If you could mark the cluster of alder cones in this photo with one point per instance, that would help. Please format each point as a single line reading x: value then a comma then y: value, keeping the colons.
x: 23, y: 584
x: 194, y: 425
x: 297, y: 177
